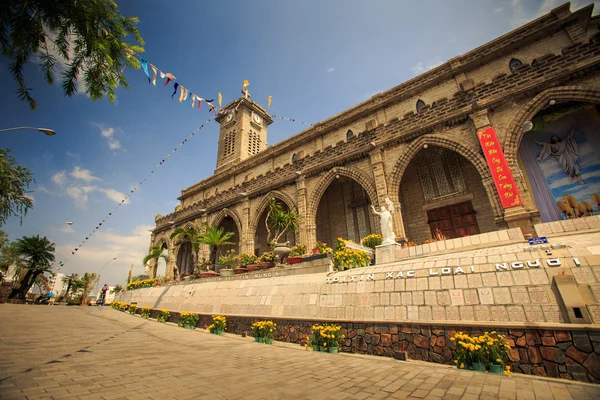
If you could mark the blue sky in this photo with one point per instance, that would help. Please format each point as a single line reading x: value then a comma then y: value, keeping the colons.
x: 316, y: 58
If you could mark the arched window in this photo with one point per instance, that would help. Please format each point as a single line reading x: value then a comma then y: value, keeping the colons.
x: 514, y: 64
x: 216, y: 191
x: 420, y: 105
x: 349, y: 134
x: 433, y: 105
x: 294, y: 157
x: 534, y: 62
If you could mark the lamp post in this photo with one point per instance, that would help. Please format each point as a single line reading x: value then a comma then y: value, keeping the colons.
x: 52, y: 226
x: 102, y: 269
x: 46, y: 131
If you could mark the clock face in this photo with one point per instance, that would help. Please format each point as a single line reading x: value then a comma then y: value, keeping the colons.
x: 229, y: 117
x: 257, y: 118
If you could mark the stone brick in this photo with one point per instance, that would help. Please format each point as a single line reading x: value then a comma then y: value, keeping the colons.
x: 562, y: 336
x: 582, y: 342
x: 576, y: 354
x: 548, y: 341
x: 592, y: 364
x: 552, y: 354
x: 534, y: 355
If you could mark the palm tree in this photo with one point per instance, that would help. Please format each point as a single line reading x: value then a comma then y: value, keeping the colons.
x: 192, y: 235
x: 69, y: 280
x: 88, y: 281
x: 215, y: 237
x: 38, y: 254
x: 155, y: 253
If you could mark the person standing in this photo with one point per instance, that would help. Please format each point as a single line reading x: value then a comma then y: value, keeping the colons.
x: 103, y: 294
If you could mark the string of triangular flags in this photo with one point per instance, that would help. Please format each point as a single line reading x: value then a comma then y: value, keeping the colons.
x: 131, y: 192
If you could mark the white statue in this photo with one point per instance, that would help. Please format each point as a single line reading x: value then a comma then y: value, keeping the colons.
x: 565, y: 152
x: 385, y: 217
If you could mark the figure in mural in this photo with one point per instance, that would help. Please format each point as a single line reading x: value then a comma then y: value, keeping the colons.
x: 385, y: 218
x: 565, y: 152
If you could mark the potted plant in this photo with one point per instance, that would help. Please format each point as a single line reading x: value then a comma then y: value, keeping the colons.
x: 462, y: 358
x: 497, y: 350
x: 332, y: 337
x: 214, y: 238
x: 296, y: 254
x: 251, y: 262
x: 322, y: 249
x: 372, y: 241
x: 228, y: 262
x: 267, y: 260
x: 257, y: 331
x: 188, y: 320
x: 279, y: 222
x: 219, y: 325
x: 203, y: 269
x: 163, y: 316
x: 345, y: 258
x: 132, y: 309
x: 268, y: 331
x: 146, y: 312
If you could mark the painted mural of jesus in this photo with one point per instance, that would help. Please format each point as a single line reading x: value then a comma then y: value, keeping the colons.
x: 565, y: 152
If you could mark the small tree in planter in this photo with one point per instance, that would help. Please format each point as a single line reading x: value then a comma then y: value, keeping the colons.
x: 215, y: 237
x: 250, y: 262
x: 296, y: 254
x: 268, y: 260
x: 278, y: 223
x: 228, y: 262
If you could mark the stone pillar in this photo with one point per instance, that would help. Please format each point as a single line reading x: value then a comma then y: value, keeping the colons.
x: 304, y: 237
x: 381, y: 188
x: 515, y: 217
x: 246, y: 245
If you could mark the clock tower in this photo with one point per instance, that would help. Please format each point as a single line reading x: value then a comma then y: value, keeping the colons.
x: 243, y: 131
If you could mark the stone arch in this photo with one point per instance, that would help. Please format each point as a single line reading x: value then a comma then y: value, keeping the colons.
x: 289, y: 202
x: 514, y: 131
x: 227, y: 212
x: 353, y: 173
x: 470, y: 154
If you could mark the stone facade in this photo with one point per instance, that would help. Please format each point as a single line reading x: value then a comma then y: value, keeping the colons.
x: 377, y: 143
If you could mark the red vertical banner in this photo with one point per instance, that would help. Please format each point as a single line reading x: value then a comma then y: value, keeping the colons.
x: 505, y: 184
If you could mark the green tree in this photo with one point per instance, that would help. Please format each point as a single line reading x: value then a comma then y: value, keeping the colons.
x: 14, y: 182
x: 215, y: 237
x: 69, y: 280
x: 87, y: 282
x: 88, y: 36
x: 38, y: 255
x: 155, y: 253
x: 192, y: 235
x: 279, y: 220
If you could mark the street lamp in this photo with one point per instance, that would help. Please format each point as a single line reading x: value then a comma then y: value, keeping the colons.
x: 46, y: 131
x: 102, y: 269
x: 52, y: 226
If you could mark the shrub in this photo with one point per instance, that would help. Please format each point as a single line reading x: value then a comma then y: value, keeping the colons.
x: 345, y: 258
x: 219, y: 323
x: 323, y: 249
x: 327, y: 335
x: 229, y: 260
x: 132, y: 309
x: 146, y: 312
x: 264, y: 329
x: 247, y: 259
x: 187, y: 318
x: 298, y: 250
x: 372, y: 240
x: 163, y: 315
x: 119, y: 305
x: 268, y: 256
x: 143, y: 284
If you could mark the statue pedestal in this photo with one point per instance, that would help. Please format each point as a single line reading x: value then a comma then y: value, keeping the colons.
x: 386, y: 253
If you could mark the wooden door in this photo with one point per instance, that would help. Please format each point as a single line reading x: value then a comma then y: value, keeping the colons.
x: 454, y: 221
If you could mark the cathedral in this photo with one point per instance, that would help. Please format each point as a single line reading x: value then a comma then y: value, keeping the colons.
x: 504, y: 136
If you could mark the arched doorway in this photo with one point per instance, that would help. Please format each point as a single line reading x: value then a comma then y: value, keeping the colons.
x: 344, y: 211
x: 228, y: 224
x: 441, y: 191
x: 185, y: 259
x: 261, y: 243
x: 559, y: 160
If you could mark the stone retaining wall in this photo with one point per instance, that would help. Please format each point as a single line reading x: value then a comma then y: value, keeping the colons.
x: 560, y: 353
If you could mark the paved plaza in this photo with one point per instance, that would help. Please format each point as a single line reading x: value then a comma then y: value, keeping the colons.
x: 92, y: 353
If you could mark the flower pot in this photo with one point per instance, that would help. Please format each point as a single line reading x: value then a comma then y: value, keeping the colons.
x: 321, y: 348
x: 496, y: 369
x: 316, y: 250
x: 268, y: 341
x: 257, y: 339
x: 208, y: 274
x: 267, y: 265
x: 464, y: 366
x: 333, y: 350
x: 315, y: 347
x: 478, y: 367
x: 189, y: 326
x: 238, y: 271
x: 227, y: 272
x: 294, y: 260
x: 212, y: 331
x: 253, y: 267
x: 220, y: 332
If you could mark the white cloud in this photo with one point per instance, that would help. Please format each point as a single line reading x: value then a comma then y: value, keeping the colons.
x: 60, y: 178
x: 109, y: 134
x: 419, y: 68
x: 330, y: 69
x: 497, y: 10
x: 129, y: 250
x: 30, y: 197
x: 67, y: 229
x: 83, y: 174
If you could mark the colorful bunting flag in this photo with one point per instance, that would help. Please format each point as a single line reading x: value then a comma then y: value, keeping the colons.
x: 220, y: 99
x: 175, y: 86
x: 246, y: 83
x: 269, y: 101
x: 155, y: 70
x: 145, y: 68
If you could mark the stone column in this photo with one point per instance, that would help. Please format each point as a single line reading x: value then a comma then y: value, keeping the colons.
x: 515, y: 217
x: 381, y: 188
x: 304, y: 237
x: 244, y: 240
